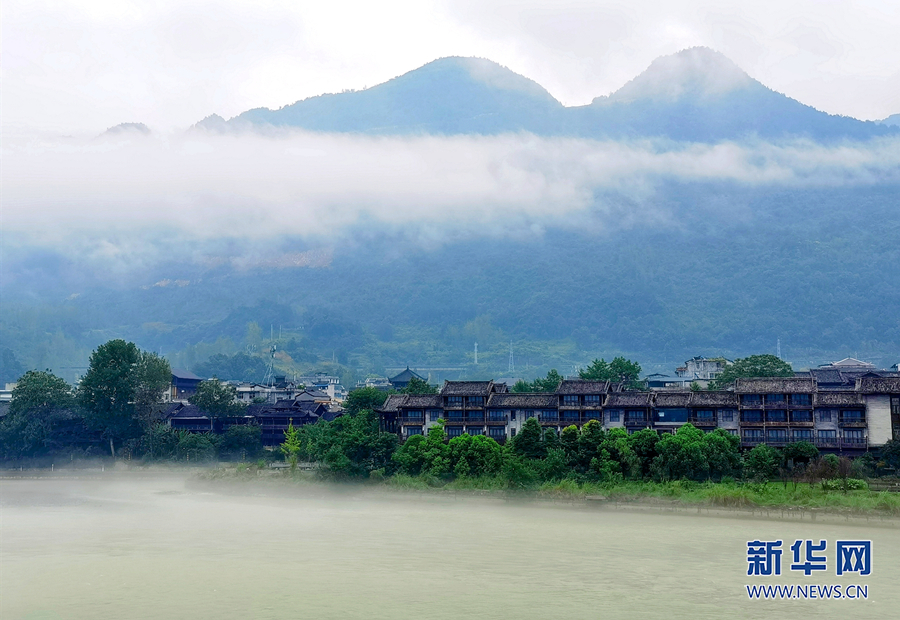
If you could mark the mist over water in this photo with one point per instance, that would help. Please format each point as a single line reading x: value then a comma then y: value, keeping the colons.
x: 155, y: 546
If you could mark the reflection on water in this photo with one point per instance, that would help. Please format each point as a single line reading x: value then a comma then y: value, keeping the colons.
x: 125, y: 546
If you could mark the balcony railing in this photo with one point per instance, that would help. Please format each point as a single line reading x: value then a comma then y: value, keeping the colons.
x: 853, y: 442
x: 419, y: 420
x: 832, y: 442
x: 853, y: 422
x: 704, y: 421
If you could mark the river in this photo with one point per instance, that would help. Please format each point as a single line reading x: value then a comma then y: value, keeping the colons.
x: 132, y: 546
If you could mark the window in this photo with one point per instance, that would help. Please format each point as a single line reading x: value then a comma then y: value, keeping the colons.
x: 475, y: 430
x: 414, y: 415
x: 895, y: 405
x: 512, y: 432
x: 475, y: 401
x: 752, y: 416
x: 751, y: 400
x: 776, y: 435
x: 854, y: 436
x: 530, y: 414
x: 753, y: 435
x: 454, y: 401
x: 454, y: 431
x: 825, y: 415
x: 801, y: 400
x: 512, y: 414
x: 777, y: 415
x: 497, y: 415
x: 570, y: 400
x: 497, y: 432
x: 774, y: 399
x: 550, y: 415
x: 827, y: 436
x: 592, y: 400
x: 413, y: 430
x: 476, y: 416
x: 635, y: 416
x: 804, y: 434
x: 852, y: 415
x: 672, y: 415
x: 435, y: 414
x: 592, y: 415
x: 613, y: 415
x: 801, y: 416
x: 706, y: 415
x: 570, y: 416
x: 726, y: 415
x: 732, y: 431
x: 454, y: 415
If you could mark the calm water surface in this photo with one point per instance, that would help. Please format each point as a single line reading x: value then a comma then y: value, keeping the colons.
x: 128, y: 546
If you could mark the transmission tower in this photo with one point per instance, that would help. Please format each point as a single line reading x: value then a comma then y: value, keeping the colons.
x: 512, y: 365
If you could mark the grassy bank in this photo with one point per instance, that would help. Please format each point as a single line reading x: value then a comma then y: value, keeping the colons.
x: 681, y: 492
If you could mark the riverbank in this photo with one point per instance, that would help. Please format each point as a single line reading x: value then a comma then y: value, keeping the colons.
x: 790, y: 501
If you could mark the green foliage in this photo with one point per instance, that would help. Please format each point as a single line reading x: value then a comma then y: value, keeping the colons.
x: 475, y: 456
x: 241, y: 441
x: 292, y: 444
x: 518, y: 473
x: 529, y: 442
x: 890, y: 455
x: 217, y: 399
x: 799, y: 452
x: 750, y: 367
x: 119, y: 387
x: 643, y: 445
x: 429, y: 454
x: 195, y: 447
x: 618, y: 370
x: 545, y: 384
x: 351, y: 445
x: 691, y: 454
x: 761, y: 463
x: 418, y: 386
x: 367, y: 398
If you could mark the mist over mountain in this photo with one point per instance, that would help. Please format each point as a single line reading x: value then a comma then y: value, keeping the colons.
x: 696, y: 95
x: 693, y: 211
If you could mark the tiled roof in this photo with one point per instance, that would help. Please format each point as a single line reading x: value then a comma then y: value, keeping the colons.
x: 423, y: 400
x: 393, y: 403
x: 672, y: 399
x: 580, y: 386
x: 714, y: 399
x: 878, y: 385
x: 837, y: 398
x: 466, y: 388
x: 513, y: 400
x: 628, y: 399
x: 775, y: 385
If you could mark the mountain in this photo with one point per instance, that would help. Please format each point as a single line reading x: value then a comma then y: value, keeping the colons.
x: 694, y: 95
x: 447, y: 96
x: 893, y: 120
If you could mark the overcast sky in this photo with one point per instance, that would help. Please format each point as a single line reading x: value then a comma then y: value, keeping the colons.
x: 80, y: 66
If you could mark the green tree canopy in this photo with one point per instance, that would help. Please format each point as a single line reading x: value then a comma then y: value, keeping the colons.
x: 367, y: 398
x: 39, y: 401
x: 618, y: 370
x: 750, y: 367
x: 120, y: 381
x: 545, y: 384
x: 418, y: 386
x: 217, y: 399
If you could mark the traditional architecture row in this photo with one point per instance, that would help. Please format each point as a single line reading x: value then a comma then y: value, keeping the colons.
x: 775, y: 411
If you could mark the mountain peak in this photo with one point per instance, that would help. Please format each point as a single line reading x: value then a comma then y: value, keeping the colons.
x: 696, y: 72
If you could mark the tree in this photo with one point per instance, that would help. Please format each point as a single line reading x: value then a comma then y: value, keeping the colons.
x: 418, y: 386
x: 351, y: 445
x: 39, y: 402
x: 620, y: 370
x: 422, y: 454
x: 750, y: 367
x: 119, y: 384
x: 643, y: 444
x: 529, y: 443
x: 545, y: 384
x: 291, y: 445
x: 761, y: 463
x: 218, y: 400
x: 474, y: 456
x: 367, y: 398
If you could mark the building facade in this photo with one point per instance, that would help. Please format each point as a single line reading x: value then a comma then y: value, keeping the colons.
x: 774, y: 411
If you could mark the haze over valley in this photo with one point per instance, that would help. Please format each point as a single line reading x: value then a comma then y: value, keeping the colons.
x: 692, y: 211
